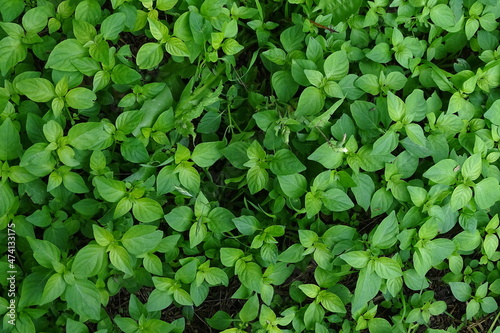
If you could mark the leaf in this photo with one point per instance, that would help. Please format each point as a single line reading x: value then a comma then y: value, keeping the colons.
x: 176, y: 47
x: 284, y: 86
x: 80, y: 98
x: 207, y: 153
x: 257, y: 179
x: 460, y: 197
x: 147, y: 210
x: 11, y: 147
x: 331, y: 302
x: 54, y: 288
x: 63, y: 53
x: 149, y: 55
x: 231, y: 46
x: 109, y: 189
x: 90, y: 136
x: 83, y: 297
x: 12, y: 51
x: 122, y: 74
x: 367, y: 287
x: 141, y: 239
x: 294, y: 186
x: 89, y: 261
x: 386, y: 233
x: 37, y: 89
x: 311, y: 102
x: 444, y: 172
x: 133, y: 150
x: 247, y: 225
x: 336, y: 66
x: 113, y: 25
x: 387, y: 268
x: 337, y: 200
x: 486, y: 193
x: 442, y: 16
x: 356, y: 259
x: 45, y: 253
x: 250, y: 309
x: 472, y: 167
x: 284, y: 162
x: 327, y: 156
x: 121, y: 259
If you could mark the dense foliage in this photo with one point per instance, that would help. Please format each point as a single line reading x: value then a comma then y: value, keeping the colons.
x: 249, y: 165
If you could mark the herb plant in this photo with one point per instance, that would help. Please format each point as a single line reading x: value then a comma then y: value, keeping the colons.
x: 249, y: 166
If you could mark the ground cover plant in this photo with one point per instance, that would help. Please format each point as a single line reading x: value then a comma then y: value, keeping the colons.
x: 249, y: 166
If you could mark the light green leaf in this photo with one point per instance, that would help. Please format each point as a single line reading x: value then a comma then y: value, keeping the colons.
x: 37, y: 89
x: 83, y: 297
x: 336, y: 66
x: 11, y: 146
x: 147, y: 210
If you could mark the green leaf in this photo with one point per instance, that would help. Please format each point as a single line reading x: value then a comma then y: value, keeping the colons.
x: 133, y: 150
x: 149, y: 56
x: 231, y: 46
x: 311, y: 290
x: 336, y: 66
x: 122, y: 74
x: 387, y: 268
x: 80, y: 98
x: 472, y: 167
x: 247, y: 225
x: 416, y: 134
x: 327, y: 156
x: 381, y: 53
x: 331, y: 302
x: 336, y: 200
x: 284, y: 162
x: 102, y: 236
x: 63, y: 53
x: 89, y: 261
x: 38, y: 160
x: 121, y: 259
x: 216, y: 276
x: 109, y: 189
x: 180, y: 218
x: 229, y: 256
x: 367, y: 287
x: 90, y: 136
x: 147, y: 210
x: 395, y: 106
x: 207, y: 153
x: 176, y: 47
x: 460, y: 197
x: 141, y: 239
x: 311, y: 102
x: 444, y: 172
x: 356, y: 259
x: 12, y: 51
x: 11, y: 147
x: 472, y: 309
x: 54, y: 288
x: 284, y: 85
x: 250, y: 309
x: 386, y: 233
x: 44, y: 252
x: 251, y: 276
x: 37, y: 89
x: 113, y: 25
x: 314, y: 314
x: 197, y: 234
x: 442, y: 16
x: 294, y: 186
x: 486, y: 193
x: 257, y: 179
x: 83, y: 297
x: 11, y: 9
